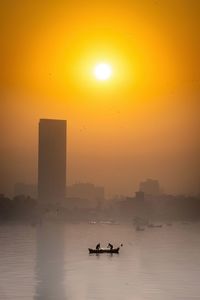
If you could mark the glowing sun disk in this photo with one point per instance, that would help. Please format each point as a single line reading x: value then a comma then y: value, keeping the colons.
x: 102, y: 71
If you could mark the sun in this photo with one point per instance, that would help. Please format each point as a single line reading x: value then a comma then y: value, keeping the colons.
x: 102, y: 71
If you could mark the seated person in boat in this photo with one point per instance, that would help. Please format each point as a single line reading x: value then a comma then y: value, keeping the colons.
x: 98, y: 246
x: 110, y: 246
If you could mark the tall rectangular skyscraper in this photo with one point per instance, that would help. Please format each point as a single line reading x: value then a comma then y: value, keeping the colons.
x: 52, y: 161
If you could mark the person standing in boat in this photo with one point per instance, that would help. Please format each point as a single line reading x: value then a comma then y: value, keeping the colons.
x: 110, y: 246
x: 98, y: 246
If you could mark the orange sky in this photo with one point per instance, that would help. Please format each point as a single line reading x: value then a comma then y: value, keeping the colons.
x: 143, y: 122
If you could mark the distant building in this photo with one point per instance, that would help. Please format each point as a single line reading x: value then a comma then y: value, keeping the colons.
x: 26, y: 190
x: 87, y: 191
x: 52, y: 161
x: 150, y: 187
x: 78, y: 203
x: 132, y: 206
x: 139, y: 195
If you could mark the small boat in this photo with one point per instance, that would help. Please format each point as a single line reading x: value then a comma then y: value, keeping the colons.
x: 104, y: 250
x: 110, y: 222
x: 154, y: 225
x: 92, y: 222
x: 138, y: 228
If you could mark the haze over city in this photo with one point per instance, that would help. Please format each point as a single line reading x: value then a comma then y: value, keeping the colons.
x: 99, y: 150
x: 142, y: 122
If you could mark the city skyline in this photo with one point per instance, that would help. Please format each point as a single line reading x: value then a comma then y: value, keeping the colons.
x: 133, y: 188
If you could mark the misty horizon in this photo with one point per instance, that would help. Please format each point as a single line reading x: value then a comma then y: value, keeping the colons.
x: 127, y: 186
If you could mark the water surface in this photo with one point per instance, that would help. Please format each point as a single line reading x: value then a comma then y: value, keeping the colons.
x: 51, y: 262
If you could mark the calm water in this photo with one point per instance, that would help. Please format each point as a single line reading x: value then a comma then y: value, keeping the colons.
x: 51, y: 262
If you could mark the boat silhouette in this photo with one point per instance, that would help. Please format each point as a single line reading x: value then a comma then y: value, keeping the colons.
x: 104, y: 250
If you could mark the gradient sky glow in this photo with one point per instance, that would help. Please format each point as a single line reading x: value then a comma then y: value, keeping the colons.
x: 142, y: 122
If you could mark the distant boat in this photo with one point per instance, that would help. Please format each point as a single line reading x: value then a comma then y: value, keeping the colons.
x: 109, y: 222
x: 92, y: 222
x: 104, y: 250
x: 114, y: 223
x: 105, y: 222
x: 154, y: 225
x: 150, y: 225
x: 138, y: 228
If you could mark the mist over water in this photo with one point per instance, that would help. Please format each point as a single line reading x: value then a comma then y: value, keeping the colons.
x: 51, y: 261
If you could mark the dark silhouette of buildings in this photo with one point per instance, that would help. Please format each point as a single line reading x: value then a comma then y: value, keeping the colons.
x: 86, y: 191
x: 158, y: 208
x: 150, y: 187
x: 139, y: 195
x: 25, y: 189
x: 52, y: 162
x: 19, y: 208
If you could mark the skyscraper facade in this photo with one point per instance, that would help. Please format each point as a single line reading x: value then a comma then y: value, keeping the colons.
x: 52, y: 161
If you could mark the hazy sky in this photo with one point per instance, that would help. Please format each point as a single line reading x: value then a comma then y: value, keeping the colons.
x: 141, y: 123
